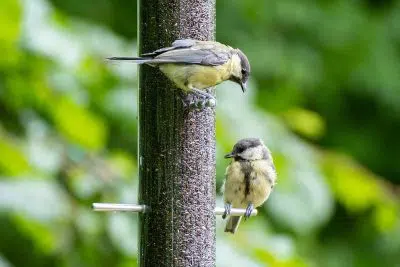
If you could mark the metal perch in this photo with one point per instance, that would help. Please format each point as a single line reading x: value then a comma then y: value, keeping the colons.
x: 143, y: 208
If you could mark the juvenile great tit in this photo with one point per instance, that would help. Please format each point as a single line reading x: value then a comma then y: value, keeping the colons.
x: 249, y: 179
x: 197, y: 65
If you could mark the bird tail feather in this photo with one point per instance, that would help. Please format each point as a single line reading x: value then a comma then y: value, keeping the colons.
x: 233, y: 224
x: 138, y: 60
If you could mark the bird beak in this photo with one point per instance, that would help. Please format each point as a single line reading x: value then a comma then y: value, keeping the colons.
x: 230, y: 155
x: 244, y: 86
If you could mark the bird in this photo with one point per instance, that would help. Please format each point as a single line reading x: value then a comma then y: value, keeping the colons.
x: 249, y: 179
x: 195, y: 66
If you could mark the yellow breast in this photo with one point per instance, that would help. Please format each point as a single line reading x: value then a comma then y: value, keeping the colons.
x: 187, y: 76
x: 261, y: 180
x: 234, y: 185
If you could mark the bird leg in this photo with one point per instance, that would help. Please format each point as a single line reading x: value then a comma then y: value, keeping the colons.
x: 228, y: 207
x: 210, y: 99
x: 187, y: 99
x: 199, y: 99
x: 249, y: 210
x: 193, y: 101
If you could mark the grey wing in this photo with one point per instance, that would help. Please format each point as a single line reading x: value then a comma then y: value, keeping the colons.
x: 188, y: 51
x: 216, y: 58
x: 178, y: 44
x: 206, y: 57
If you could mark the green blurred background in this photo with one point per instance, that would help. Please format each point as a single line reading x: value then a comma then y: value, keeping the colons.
x: 324, y: 95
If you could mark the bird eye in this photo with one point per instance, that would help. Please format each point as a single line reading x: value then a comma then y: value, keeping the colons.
x: 243, y: 71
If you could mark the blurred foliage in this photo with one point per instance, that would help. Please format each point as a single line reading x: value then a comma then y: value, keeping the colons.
x: 324, y: 95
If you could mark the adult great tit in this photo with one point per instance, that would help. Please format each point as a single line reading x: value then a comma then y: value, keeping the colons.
x: 197, y: 65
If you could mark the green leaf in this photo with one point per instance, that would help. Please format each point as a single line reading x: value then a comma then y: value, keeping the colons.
x: 122, y: 163
x: 305, y: 122
x: 12, y: 159
x: 386, y: 216
x: 41, y: 234
x: 10, y: 24
x: 269, y: 258
x: 355, y: 187
x: 79, y: 125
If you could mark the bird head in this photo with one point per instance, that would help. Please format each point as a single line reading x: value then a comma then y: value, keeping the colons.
x: 241, y: 69
x: 249, y: 149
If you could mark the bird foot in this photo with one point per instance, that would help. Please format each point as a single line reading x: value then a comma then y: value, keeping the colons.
x: 249, y: 210
x: 195, y: 101
x: 227, y: 212
x: 198, y: 99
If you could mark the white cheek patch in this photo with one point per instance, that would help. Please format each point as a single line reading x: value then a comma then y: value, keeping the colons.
x: 253, y: 153
x: 236, y: 66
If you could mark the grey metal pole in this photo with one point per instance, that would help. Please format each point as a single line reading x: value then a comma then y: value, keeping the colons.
x: 176, y: 146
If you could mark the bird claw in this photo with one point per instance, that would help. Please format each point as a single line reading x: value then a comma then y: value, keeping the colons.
x: 196, y: 101
x: 187, y: 100
x: 249, y: 210
x: 212, y: 102
x: 199, y: 99
x: 227, y: 212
